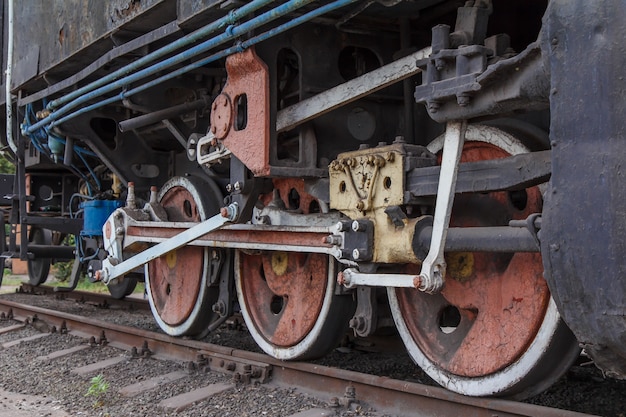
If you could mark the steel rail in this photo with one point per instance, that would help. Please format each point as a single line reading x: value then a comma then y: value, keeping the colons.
x: 399, y: 397
x: 99, y: 299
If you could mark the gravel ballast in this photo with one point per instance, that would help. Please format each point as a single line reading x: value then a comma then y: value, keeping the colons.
x: 57, y: 388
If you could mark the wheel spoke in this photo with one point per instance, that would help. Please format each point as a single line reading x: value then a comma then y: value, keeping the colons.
x: 285, y: 294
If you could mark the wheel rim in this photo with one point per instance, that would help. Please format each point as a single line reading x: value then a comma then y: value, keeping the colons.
x: 123, y: 288
x: 177, y: 283
x: 287, y: 299
x: 38, y: 269
x: 492, y: 328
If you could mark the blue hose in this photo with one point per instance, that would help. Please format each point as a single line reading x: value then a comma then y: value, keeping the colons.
x: 237, y: 48
x: 230, y: 33
x: 227, y: 20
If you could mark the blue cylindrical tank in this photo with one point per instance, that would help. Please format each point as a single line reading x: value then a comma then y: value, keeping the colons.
x: 96, y: 212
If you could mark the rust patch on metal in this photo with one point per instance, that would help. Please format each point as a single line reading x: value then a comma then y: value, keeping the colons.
x: 129, y: 9
x: 221, y: 116
x: 247, y: 90
x: 487, y: 315
x: 175, y: 278
x: 284, y: 306
x: 291, y: 192
x: 107, y: 230
x: 231, y: 235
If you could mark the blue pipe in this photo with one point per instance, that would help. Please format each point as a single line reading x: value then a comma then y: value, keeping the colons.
x: 230, y: 33
x: 230, y: 19
x: 238, y: 48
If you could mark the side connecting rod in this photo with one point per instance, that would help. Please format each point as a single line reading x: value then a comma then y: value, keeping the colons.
x: 112, y: 268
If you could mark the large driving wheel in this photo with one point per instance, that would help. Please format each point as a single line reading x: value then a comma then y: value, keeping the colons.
x: 494, y: 328
x: 288, y: 299
x: 177, y: 283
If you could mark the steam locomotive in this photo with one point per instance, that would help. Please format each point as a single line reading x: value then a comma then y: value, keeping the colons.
x: 327, y: 166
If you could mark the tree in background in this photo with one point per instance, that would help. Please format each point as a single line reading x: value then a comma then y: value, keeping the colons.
x: 6, y: 166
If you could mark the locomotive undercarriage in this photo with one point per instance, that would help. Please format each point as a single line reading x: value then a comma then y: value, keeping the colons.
x: 306, y: 179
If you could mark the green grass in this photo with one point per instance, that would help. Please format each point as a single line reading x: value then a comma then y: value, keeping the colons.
x: 97, y: 287
x: 10, y: 280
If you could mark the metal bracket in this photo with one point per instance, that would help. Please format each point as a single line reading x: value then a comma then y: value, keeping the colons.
x: 431, y: 277
x: 365, y: 319
x: 113, y: 268
x: 209, y: 151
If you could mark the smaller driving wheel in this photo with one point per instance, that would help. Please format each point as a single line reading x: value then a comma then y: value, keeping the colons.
x: 288, y: 299
x: 179, y: 292
x: 38, y: 269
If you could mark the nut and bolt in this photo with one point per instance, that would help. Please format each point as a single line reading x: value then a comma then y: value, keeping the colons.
x: 463, y: 100
x: 229, y: 188
x: 238, y: 186
x: 219, y: 308
x: 332, y: 240
x: 340, y: 226
x: 433, y: 106
x: 357, y: 323
x: 351, y: 162
x: 356, y: 254
x: 417, y: 281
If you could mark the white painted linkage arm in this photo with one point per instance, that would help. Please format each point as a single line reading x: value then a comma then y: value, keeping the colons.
x: 434, y: 266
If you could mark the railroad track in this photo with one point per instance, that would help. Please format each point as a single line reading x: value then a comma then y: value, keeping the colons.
x: 340, y: 390
x: 98, y: 299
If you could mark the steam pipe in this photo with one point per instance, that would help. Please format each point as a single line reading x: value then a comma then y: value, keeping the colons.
x: 230, y: 33
x: 238, y: 48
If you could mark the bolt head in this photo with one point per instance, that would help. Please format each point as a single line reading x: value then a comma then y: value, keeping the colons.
x: 356, y: 254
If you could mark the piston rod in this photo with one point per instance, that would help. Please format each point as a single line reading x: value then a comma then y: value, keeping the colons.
x: 160, y: 115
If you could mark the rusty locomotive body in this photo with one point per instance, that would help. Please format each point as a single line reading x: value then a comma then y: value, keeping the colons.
x: 326, y: 166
